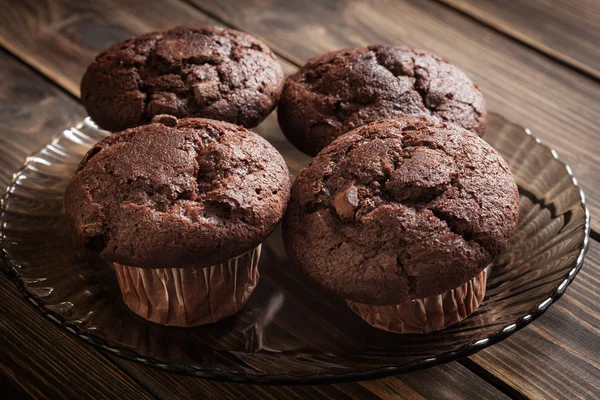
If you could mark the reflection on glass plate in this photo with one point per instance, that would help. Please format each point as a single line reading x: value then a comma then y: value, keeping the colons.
x: 289, y: 331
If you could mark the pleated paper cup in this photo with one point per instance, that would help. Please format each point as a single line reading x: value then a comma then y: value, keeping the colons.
x: 190, y: 296
x: 428, y: 314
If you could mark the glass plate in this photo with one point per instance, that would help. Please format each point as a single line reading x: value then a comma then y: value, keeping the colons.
x: 289, y: 331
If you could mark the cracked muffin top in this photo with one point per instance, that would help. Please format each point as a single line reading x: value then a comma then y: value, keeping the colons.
x: 205, y: 71
x: 400, y: 209
x: 339, y: 91
x: 177, y: 193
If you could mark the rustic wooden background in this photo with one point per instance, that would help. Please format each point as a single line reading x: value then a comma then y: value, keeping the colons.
x: 537, y: 61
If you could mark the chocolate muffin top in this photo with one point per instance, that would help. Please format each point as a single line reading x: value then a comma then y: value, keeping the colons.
x: 339, y: 91
x: 177, y: 193
x: 204, y: 71
x: 400, y: 209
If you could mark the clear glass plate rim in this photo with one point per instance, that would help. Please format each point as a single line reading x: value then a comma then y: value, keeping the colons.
x: 373, y: 373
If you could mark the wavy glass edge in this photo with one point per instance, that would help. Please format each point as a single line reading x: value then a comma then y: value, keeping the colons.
x: 81, y: 134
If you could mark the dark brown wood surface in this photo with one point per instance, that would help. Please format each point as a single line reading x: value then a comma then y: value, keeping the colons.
x: 60, y: 38
x: 44, y: 361
x: 452, y: 381
x: 47, y: 371
x: 555, y: 357
x: 558, y: 104
x: 22, y: 93
x: 565, y: 30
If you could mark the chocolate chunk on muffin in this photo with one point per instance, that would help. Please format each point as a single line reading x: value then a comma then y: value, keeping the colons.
x: 336, y: 92
x: 179, y: 206
x: 400, y: 210
x: 205, y: 71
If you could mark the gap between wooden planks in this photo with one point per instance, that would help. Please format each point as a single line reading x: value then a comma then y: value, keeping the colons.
x: 558, y: 104
x: 69, y: 35
x: 31, y: 111
x: 568, y: 31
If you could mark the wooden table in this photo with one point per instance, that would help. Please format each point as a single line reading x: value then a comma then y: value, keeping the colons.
x: 538, y: 63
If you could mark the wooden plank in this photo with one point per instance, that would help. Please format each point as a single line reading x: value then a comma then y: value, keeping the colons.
x: 60, y: 39
x: 452, y: 381
x: 557, y: 355
x: 45, y: 362
x: 66, y: 36
x: 26, y: 126
x: 187, y: 387
x: 35, y: 355
x: 506, y: 70
x: 558, y: 104
x: 566, y: 30
x: 449, y: 378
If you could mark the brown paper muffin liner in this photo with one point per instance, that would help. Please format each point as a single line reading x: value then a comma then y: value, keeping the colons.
x: 428, y: 314
x: 190, y: 296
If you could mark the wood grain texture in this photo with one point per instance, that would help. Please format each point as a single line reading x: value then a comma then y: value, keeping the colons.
x: 449, y: 379
x: 557, y: 355
x: 558, y: 104
x: 36, y: 356
x: 32, y: 111
x: 565, y: 30
x: 569, y: 331
x: 452, y: 381
x: 60, y: 38
x: 45, y: 362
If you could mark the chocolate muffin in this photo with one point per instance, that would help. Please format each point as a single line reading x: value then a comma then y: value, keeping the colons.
x: 336, y: 92
x: 204, y: 71
x: 400, y: 210
x: 179, y: 206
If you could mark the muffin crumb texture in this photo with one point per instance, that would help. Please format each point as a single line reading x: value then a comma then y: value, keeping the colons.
x: 171, y: 196
x: 336, y: 92
x: 400, y: 209
x: 205, y: 71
